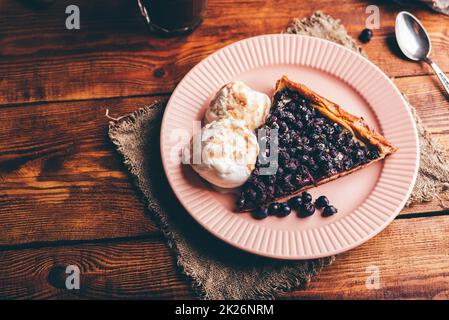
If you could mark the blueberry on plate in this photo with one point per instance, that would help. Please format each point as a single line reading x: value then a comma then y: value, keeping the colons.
x: 321, y: 202
x: 329, y: 211
x: 295, y: 202
x: 273, y: 209
x: 260, y: 213
x: 306, y: 210
x: 284, y: 210
x: 306, y: 197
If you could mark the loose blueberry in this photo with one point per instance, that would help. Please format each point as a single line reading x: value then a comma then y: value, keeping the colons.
x: 306, y: 197
x: 366, y: 35
x: 329, y: 211
x: 321, y: 202
x: 295, y: 202
x: 284, y: 210
x: 260, y: 213
x: 306, y: 210
x: 273, y: 209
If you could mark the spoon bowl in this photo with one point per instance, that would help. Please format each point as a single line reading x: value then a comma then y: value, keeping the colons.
x: 414, y: 42
x: 412, y: 37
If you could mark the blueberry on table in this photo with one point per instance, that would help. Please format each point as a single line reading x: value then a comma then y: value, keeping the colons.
x: 295, y: 202
x: 306, y: 197
x: 284, y: 210
x: 329, y: 211
x: 260, y: 213
x: 273, y: 209
x: 321, y: 202
x: 306, y: 210
x: 366, y: 35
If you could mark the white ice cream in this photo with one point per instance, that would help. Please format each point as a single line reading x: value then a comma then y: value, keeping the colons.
x: 240, y: 102
x: 226, y: 153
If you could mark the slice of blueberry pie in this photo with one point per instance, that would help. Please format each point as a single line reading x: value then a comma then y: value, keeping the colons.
x: 318, y: 142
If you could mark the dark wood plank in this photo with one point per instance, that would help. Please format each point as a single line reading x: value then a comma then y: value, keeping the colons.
x: 411, y: 255
x: 61, y: 177
x: 139, y: 269
x: 113, y: 55
x: 58, y: 168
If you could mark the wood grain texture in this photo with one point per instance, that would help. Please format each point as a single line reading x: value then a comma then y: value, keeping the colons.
x: 61, y: 178
x: 411, y: 255
x: 426, y: 94
x: 412, y: 259
x: 113, y: 54
x: 139, y: 269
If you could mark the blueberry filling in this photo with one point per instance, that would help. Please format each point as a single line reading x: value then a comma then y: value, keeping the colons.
x: 311, y: 148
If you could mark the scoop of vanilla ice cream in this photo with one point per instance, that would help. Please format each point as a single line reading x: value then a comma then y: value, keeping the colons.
x: 226, y: 153
x: 239, y: 101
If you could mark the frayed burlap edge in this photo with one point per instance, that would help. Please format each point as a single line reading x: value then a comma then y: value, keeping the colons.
x: 323, y: 26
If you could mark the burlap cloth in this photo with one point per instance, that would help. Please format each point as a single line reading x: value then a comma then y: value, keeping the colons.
x: 216, y: 270
x: 437, y: 5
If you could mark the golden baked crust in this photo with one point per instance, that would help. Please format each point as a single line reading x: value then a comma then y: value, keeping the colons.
x: 336, y: 113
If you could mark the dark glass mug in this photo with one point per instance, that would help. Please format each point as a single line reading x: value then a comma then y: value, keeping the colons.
x: 172, y: 16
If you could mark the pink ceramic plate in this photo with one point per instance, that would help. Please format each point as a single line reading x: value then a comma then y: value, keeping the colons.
x: 368, y: 200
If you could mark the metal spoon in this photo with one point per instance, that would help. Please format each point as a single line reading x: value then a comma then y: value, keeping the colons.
x: 414, y: 42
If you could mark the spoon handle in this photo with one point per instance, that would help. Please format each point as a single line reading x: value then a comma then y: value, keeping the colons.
x: 443, y: 78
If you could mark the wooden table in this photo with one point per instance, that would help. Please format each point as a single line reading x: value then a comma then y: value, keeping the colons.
x: 66, y: 198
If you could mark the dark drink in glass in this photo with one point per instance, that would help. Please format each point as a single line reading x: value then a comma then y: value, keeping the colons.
x: 173, y: 16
